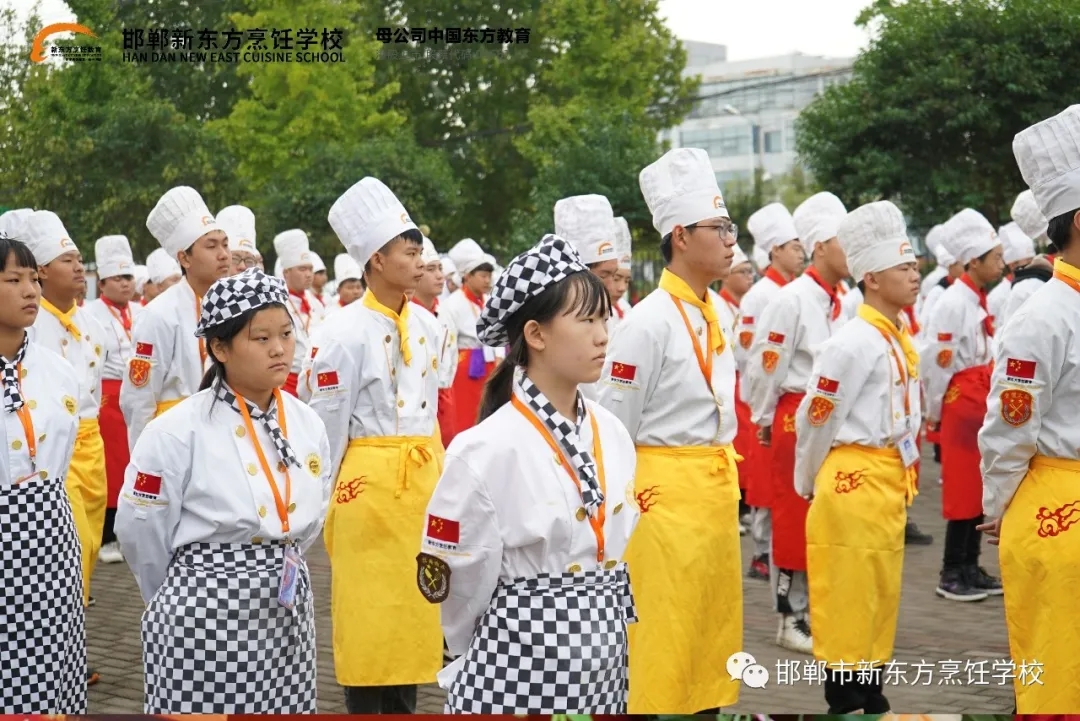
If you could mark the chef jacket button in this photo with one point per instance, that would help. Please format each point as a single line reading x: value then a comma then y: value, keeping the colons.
x: 16, y: 445
x: 240, y: 431
x: 31, y: 405
x: 281, y: 467
x: 618, y: 509
x: 262, y: 511
x: 41, y: 438
x: 574, y: 568
x: 256, y: 539
x: 423, y: 373
x: 93, y: 363
x: 400, y: 403
x: 423, y: 404
x: 387, y: 339
x: 63, y: 342
x: 611, y: 564
x: 22, y: 372
x: 292, y: 507
x: 897, y: 415
x: 43, y: 475
x: 421, y: 340
x: 581, y: 514
x: 251, y: 469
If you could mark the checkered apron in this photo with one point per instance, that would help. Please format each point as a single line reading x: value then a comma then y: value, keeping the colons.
x: 216, y: 640
x: 42, y: 631
x: 550, y: 644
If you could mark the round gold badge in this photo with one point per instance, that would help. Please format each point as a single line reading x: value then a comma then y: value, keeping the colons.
x: 314, y: 464
x: 70, y: 405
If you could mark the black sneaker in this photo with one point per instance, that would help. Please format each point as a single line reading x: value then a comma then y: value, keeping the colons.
x: 955, y: 587
x: 759, y: 568
x: 914, y: 537
x: 980, y: 580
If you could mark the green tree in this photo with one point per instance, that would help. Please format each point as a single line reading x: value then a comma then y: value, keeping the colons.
x: 929, y: 116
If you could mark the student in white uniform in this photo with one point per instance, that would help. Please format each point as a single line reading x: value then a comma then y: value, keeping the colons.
x: 115, y: 313
x: 142, y: 276
x: 857, y: 461
x: 169, y: 361
x: 426, y: 298
x: 511, y: 534
x: 65, y: 328
x: 238, y: 222
x: 954, y: 269
x: 453, y: 278
x: 319, y: 279
x: 620, y: 306
x: 1019, y: 251
x: 933, y: 245
x: 804, y: 314
x: 221, y: 501
x: 587, y: 222
x: 375, y: 383
x: 670, y: 378
x: 165, y: 272
x: 296, y: 261
x: 41, y: 598
x: 1026, y: 213
x: 350, y: 282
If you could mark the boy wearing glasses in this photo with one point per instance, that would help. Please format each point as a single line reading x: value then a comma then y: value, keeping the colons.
x: 239, y: 225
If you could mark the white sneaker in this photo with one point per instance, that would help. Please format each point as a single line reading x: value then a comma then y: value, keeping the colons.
x: 110, y: 553
x: 794, y: 635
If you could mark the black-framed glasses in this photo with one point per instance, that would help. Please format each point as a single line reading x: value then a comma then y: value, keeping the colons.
x: 723, y: 228
x: 251, y: 262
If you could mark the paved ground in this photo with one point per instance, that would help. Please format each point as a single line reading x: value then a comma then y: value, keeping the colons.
x: 967, y: 638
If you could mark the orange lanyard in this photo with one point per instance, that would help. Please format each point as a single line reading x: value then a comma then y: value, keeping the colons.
x: 597, y: 523
x: 1067, y: 280
x: 900, y: 370
x: 27, y: 423
x: 281, y: 503
x: 704, y: 360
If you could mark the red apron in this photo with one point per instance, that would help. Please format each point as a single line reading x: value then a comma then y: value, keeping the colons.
x: 745, y: 440
x: 115, y: 437
x: 962, y: 414
x: 446, y: 416
x: 468, y: 392
x: 290, y: 383
x: 788, y: 507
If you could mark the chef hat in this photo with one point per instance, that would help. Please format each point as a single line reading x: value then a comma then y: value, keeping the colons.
x: 740, y: 256
x: 968, y: 234
x: 238, y: 222
x: 1026, y: 213
x: 874, y: 238
x: 943, y: 257
x: 112, y: 254
x: 292, y: 249
x: 237, y: 294
x: 450, y: 270
x: 179, y: 219
x: 467, y: 256
x: 588, y: 223
x: 1048, y: 154
x: 47, y: 237
x: 1015, y: 243
x: 13, y: 223
x: 623, y: 243
x: 933, y: 238
x: 317, y: 265
x: 141, y: 276
x: 429, y: 254
x: 161, y: 266
x: 817, y: 218
x: 761, y: 258
x: 772, y: 226
x: 345, y: 268
x: 680, y: 189
x: 527, y: 276
x: 366, y: 217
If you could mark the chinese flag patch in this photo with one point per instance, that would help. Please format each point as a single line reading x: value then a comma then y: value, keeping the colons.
x: 1019, y: 369
x: 314, y: 350
x: 147, y: 485
x: 145, y: 350
x: 327, y: 379
x: 944, y: 337
x: 623, y: 372
x: 443, y: 529
x: 828, y: 385
x: 777, y: 338
x: 748, y: 320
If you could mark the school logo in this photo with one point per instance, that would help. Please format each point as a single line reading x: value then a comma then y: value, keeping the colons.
x: 819, y: 410
x: 746, y: 338
x: 1016, y: 407
x: 718, y: 203
x: 647, y: 498
x: 1051, y: 523
x: 769, y: 359
x: 207, y: 220
x: 434, y: 363
x: 848, y: 482
x: 605, y: 249
x: 139, y: 372
x: 944, y: 358
x: 952, y: 394
x: 37, y: 47
x: 432, y: 577
x: 69, y: 405
x: 346, y: 491
x: 789, y: 423
x: 314, y: 465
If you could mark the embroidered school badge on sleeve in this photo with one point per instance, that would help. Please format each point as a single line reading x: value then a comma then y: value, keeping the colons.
x: 139, y: 372
x: 746, y: 339
x: 1016, y: 407
x: 944, y: 358
x: 819, y: 410
x: 432, y: 577
x: 769, y: 359
x: 147, y: 486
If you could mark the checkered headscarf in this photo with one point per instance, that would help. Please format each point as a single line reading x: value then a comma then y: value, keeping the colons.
x: 268, y: 420
x: 527, y: 276
x: 13, y: 400
x: 237, y: 294
x: 568, y: 436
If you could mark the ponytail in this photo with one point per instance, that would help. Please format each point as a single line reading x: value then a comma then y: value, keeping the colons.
x: 500, y: 384
x: 211, y: 375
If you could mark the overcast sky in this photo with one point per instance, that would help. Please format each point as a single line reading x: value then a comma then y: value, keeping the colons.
x: 749, y: 28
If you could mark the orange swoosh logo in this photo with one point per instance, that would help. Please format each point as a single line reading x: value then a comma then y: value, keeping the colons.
x: 37, y: 49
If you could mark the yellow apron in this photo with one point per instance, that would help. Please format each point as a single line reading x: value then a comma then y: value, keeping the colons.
x: 855, y: 554
x: 166, y: 405
x: 385, y: 632
x: 1040, y: 569
x: 88, y: 491
x: 686, y: 570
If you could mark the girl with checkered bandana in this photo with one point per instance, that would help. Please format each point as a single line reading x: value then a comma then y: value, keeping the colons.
x: 525, y: 534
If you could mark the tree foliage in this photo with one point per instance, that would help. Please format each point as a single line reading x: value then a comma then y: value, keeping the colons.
x: 929, y: 116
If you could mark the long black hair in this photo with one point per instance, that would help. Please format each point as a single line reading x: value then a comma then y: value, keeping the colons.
x: 581, y: 293
x: 226, y: 332
x: 23, y: 256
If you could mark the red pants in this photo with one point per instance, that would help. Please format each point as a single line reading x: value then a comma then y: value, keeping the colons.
x: 290, y: 383
x: 468, y: 392
x: 115, y: 437
x: 745, y: 441
x: 788, y: 507
x: 446, y: 416
x: 962, y: 414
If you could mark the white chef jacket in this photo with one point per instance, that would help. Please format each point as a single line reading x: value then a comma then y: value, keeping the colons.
x: 118, y: 347
x: 858, y: 358
x: 729, y: 321
x: 516, y: 510
x: 1018, y: 295
x: 462, y: 314
x: 996, y: 301
x: 86, y: 356
x: 793, y: 325
x: 304, y: 324
x: 850, y: 302
x: 930, y: 303
x: 955, y: 325
x: 668, y: 402
x: 932, y: 279
x: 753, y: 305
x: 206, y: 484
x: 359, y: 384
x: 440, y: 327
x: 165, y: 331
x: 50, y: 391
x: 1044, y: 331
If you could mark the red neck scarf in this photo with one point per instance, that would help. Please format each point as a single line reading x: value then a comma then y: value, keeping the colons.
x: 305, y: 307
x: 123, y: 310
x: 478, y: 302
x: 910, y: 311
x: 988, y: 321
x: 1052, y: 257
x: 774, y: 275
x: 728, y: 298
x: 1009, y: 278
x: 318, y: 297
x: 618, y: 311
x: 434, y: 309
x: 834, y: 299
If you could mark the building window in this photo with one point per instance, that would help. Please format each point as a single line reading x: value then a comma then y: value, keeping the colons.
x: 774, y: 141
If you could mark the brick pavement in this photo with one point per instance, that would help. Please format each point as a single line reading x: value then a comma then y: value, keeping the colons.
x: 931, y: 630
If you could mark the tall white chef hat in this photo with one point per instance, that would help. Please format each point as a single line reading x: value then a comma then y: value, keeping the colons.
x: 47, y: 237
x: 112, y: 254
x: 141, y: 276
x: 817, y: 219
x: 161, y: 265
x: 587, y: 223
x: 1048, y: 154
x: 13, y: 223
x: 772, y: 226
x: 292, y: 249
x: 238, y: 222
x: 761, y: 258
x: 943, y: 257
x: 450, y: 270
x: 179, y: 219
x: 1015, y: 243
x: 429, y: 254
x: 680, y: 189
x: 467, y: 256
x: 933, y: 238
x: 366, y: 217
x: 968, y: 235
x: 317, y: 264
x: 740, y: 257
x: 345, y: 268
x: 874, y: 238
x: 624, y: 243
x: 1026, y: 213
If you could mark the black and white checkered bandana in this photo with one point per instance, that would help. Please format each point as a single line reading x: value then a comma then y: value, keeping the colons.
x: 527, y: 276
x: 13, y: 400
x: 237, y: 294
x: 268, y: 420
x: 568, y: 436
